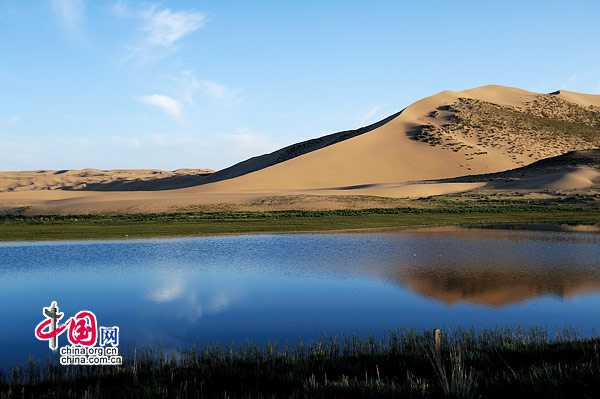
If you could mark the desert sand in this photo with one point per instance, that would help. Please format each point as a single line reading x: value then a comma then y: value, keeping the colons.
x: 571, y: 172
x: 412, y: 154
x: 100, y: 180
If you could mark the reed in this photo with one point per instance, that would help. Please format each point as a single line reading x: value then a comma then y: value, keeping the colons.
x: 468, y: 364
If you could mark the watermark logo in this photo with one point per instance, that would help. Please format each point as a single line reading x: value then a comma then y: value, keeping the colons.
x: 83, y: 333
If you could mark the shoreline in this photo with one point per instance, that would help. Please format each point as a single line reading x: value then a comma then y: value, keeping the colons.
x: 154, y: 226
x: 438, y: 229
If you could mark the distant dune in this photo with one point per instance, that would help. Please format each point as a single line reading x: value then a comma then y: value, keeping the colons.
x: 447, y: 143
x: 101, y: 180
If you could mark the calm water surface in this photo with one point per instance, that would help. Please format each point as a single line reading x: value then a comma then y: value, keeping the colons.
x: 176, y: 292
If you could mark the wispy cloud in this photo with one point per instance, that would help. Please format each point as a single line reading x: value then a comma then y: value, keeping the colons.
x: 71, y: 14
x: 167, y: 104
x: 191, y: 87
x: 161, y: 28
x: 165, y: 28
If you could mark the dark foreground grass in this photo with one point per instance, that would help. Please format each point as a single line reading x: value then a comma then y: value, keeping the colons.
x: 490, y: 364
x: 195, y: 224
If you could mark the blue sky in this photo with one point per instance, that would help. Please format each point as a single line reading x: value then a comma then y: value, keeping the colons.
x: 171, y: 84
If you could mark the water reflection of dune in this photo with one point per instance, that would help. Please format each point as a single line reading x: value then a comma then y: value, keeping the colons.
x: 494, y: 287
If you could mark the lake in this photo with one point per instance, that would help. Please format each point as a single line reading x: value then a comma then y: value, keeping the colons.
x: 172, y: 293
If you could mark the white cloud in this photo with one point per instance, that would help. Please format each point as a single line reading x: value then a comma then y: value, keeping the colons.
x: 71, y: 14
x: 166, y: 104
x: 161, y: 29
x: 164, y: 27
x: 188, y: 88
x: 191, y: 86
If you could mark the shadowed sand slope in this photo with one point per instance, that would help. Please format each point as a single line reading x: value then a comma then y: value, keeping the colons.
x: 576, y: 170
x: 292, y: 151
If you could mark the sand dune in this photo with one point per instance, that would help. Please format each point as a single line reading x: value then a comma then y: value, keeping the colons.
x: 584, y: 100
x: 292, y: 151
x: 501, y: 95
x: 577, y: 179
x: 577, y: 170
x: 101, y: 180
x: 389, y: 156
x: 422, y: 151
x: 384, y: 155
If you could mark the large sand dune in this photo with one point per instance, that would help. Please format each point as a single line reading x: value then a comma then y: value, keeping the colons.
x: 388, y: 160
x: 385, y: 155
x: 414, y: 153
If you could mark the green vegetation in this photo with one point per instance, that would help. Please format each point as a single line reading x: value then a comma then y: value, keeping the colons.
x: 547, y: 126
x: 489, y: 364
x: 436, y: 212
x: 585, y: 124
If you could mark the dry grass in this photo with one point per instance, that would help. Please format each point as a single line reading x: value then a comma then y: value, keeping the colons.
x: 546, y: 126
